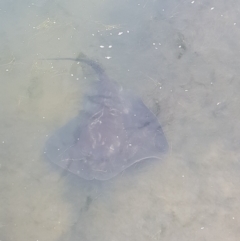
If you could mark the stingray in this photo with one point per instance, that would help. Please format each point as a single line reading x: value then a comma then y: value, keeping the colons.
x: 113, y: 131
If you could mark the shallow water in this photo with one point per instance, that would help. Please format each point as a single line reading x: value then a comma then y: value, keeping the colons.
x: 181, y: 58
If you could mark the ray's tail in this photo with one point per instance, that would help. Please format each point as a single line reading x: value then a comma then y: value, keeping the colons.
x: 84, y: 59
